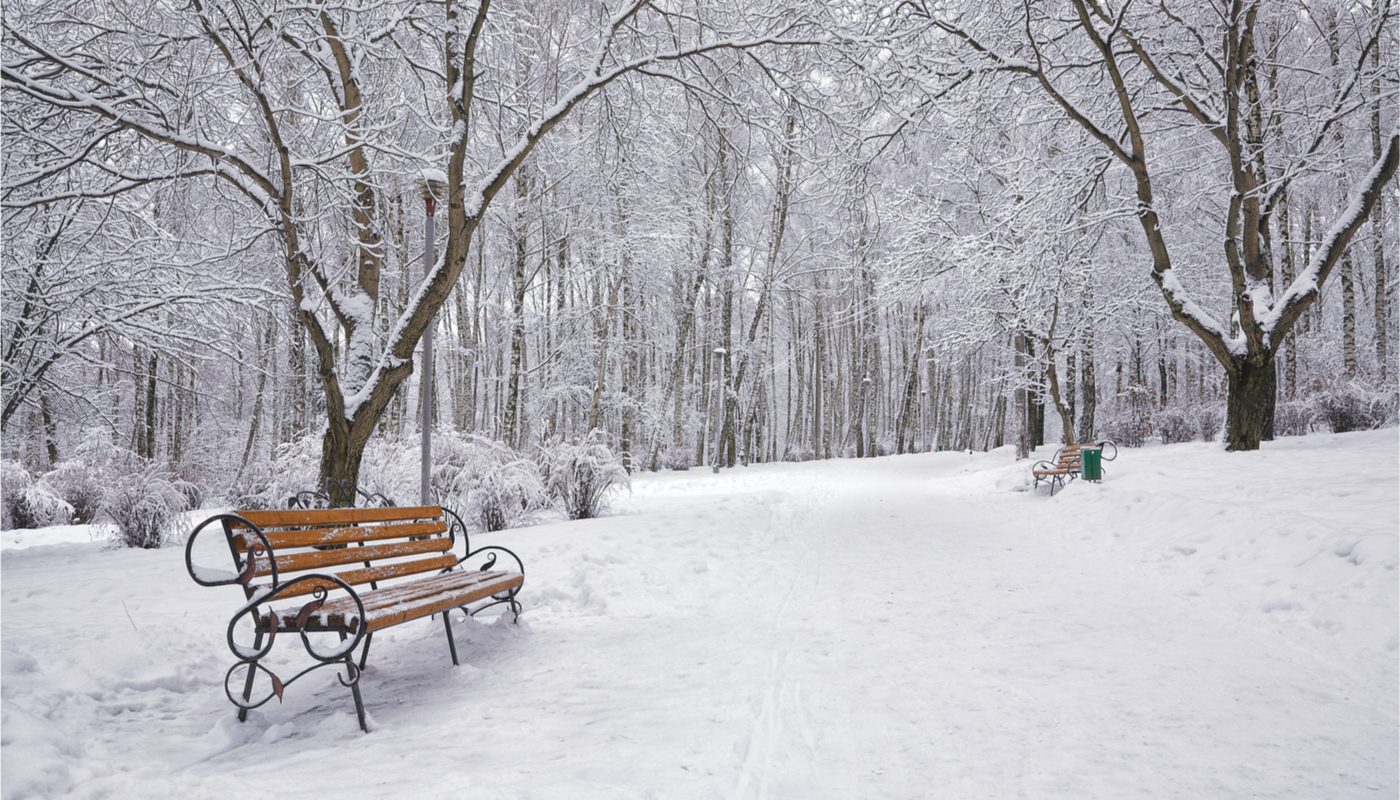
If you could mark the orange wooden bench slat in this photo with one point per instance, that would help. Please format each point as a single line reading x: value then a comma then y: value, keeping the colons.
x: 395, y: 614
x: 315, y: 559
x: 379, y: 573
x: 312, y: 537
x: 329, y: 517
x: 387, y: 607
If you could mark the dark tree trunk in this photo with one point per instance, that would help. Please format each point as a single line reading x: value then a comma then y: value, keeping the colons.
x: 342, y: 448
x: 1249, y: 415
x: 50, y: 431
x: 1089, y: 387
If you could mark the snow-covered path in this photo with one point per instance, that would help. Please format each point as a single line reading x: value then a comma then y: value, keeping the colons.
x: 902, y: 627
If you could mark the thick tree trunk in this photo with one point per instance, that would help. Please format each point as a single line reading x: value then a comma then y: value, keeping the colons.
x: 1249, y: 417
x: 342, y: 449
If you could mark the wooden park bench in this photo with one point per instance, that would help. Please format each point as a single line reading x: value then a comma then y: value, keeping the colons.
x: 1066, y: 465
x: 336, y: 576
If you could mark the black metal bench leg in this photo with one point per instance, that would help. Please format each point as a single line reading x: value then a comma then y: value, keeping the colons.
x: 515, y: 610
x: 252, y: 673
x: 451, y: 644
x: 353, y: 673
x: 364, y: 654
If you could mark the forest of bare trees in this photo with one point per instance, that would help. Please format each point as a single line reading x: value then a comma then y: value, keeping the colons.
x: 700, y: 232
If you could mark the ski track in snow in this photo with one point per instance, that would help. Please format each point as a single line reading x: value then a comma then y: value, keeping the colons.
x: 1201, y: 624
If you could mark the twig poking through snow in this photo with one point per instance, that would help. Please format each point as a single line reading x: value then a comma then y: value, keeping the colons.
x: 128, y: 617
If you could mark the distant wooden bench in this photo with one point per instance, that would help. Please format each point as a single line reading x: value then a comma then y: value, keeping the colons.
x: 1064, y: 467
x: 404, y: 556
x: 1068, y: 464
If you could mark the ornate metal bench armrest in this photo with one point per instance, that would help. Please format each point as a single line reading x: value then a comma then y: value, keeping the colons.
x: 1107, y: 443
x: 1043, y: 464
x: 246, y: 571
x: 488, y: 559
x: 265, y: 595
x: 249, y: 659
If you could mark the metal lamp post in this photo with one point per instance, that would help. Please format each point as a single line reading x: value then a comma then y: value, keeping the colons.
x: 431, y: 184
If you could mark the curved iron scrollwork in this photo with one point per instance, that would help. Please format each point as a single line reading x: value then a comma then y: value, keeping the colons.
x: 318, y: 599
x: 309, y: 499
x: 489, y: 555
x: 321, y: 498
x: 351, y: 679
x: 246, y: 568
x: 1106, y: 443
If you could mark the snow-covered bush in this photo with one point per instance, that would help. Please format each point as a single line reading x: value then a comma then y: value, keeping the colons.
x: 581, y: 477
x: 192, y: 492
x: 679, y: 459
x: 1175, y: 425
x: 28, y: 503
x: 294, y: 468
x: 14, y: 479
x: 1293, y: 418
x: 885, y: 444
x: 1209, y: 421
x: 488, y: 484
x: 1352, y: 406
x: 799, y: 453
x: 80, y: 484
x: 145, y: 505
x: 41, y: 507
x: 95, y: 464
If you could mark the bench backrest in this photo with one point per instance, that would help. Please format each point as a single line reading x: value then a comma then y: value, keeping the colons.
x: 357, y: 545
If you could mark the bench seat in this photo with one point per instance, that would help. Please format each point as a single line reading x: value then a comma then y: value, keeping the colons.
x: 401, y: 603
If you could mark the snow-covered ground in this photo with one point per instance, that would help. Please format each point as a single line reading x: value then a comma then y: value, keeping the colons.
x: 1201, y: 624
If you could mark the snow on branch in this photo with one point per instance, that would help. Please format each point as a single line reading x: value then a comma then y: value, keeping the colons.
x: 420, y: 310
x: 1304, y: 289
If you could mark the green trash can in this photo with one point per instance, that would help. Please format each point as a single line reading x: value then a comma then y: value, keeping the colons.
x: 1091, y: 463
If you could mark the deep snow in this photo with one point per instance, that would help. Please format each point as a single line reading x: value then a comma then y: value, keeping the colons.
x: 1201, y: 624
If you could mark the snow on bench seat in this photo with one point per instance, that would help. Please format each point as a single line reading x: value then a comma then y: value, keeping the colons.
x: 396, y: 604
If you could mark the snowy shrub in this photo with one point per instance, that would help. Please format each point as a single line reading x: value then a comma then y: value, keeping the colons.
x: 41, y: 507
x: 489, y: 484
x: 799, y: 453
x: 679, y: 459
x: 1209, y: 421
x: 1126, y: 431
x: 14, y: 479
x: 28, y: 503
x: 145, y: 505
x: 581, y: 476
x: 885, y: 444
x: 80, y: 484
x: 1175, y: 425
x: 1352, y: 406
x: 97, y: 463
x: 1293, y: 418
x: 294, y: 467
x: 192, y: 492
